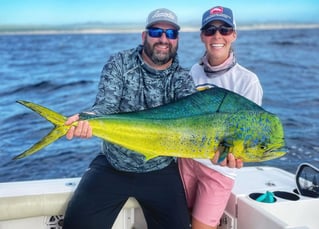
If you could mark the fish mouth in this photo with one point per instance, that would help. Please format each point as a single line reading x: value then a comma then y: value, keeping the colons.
x: 274, y: 153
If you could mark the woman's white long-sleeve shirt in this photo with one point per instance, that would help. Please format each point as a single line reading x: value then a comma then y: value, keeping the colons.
x: 237, y: 79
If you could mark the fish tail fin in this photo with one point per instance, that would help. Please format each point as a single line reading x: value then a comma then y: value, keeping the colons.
x: 54, y: 135
x: 50, y: 115
x: 55, y: 118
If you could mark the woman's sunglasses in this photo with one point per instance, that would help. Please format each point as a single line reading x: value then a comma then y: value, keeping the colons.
x: 157, y: 32
x: 223, y: 30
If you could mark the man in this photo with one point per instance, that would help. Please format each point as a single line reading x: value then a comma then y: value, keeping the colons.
x: 132, y: 80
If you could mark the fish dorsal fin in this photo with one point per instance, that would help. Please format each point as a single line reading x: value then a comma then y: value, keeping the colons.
x: 232, y: 102
x: 202, y: 102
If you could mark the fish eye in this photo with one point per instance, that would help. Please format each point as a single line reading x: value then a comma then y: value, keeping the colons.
x: 263, y: 146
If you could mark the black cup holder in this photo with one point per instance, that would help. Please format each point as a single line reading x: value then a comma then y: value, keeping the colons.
x: 279, y: 194
x: 286, y: 195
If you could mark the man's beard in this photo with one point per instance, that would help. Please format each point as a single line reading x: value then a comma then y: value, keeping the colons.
x: 159, y: 58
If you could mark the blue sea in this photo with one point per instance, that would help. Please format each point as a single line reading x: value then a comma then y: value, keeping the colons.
x: 61, y: 71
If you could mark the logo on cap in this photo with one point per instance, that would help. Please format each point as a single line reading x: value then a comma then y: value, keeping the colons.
x: 159, y: 14
x: 216, y: 10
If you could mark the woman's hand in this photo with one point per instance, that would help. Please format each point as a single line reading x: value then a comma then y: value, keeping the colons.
x: 230, y: 161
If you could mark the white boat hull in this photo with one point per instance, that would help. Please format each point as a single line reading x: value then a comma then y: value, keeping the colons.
x: 41, y: 204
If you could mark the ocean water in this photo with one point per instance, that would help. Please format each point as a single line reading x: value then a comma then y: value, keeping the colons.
x: 61, y: 71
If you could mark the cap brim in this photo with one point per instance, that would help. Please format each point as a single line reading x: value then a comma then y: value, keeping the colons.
x: 218, y: 18
x: 153, y: 23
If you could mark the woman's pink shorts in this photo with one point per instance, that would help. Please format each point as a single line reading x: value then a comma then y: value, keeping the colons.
x: 207, y: 191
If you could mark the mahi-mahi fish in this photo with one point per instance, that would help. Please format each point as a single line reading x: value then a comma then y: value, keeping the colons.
x: 195, y: 126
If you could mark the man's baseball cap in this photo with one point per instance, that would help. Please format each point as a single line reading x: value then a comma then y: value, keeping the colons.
x: 162, y: 15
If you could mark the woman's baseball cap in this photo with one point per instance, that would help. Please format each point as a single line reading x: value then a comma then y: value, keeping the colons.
x: 218, y: 13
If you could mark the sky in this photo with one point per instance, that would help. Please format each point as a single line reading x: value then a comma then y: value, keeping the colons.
x: 58, y: 12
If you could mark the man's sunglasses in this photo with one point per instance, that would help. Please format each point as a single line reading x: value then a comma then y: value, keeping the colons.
x: 223, y: 30
x: 157, y: 32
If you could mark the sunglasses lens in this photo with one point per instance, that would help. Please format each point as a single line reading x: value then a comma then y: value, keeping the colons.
x: 223, y: 30
x: 156, y: 33
x: 171, y: 33
x: 210, y: 31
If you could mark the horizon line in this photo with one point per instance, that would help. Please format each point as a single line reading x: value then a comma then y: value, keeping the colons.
x: 95, y: 28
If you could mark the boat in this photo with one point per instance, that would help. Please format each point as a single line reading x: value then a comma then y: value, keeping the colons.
x: 263, y: 197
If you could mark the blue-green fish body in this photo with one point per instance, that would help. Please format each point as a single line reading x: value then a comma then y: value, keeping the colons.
x: 193, y: 127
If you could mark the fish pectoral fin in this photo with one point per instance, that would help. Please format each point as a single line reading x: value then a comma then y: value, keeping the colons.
x: 223, y: 149
x: 54, y: 135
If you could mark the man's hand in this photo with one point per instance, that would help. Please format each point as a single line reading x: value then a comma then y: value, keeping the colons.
x: 230, y: 161
x: 82, y: 130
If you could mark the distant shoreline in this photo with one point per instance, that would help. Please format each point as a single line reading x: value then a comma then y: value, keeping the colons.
x: 47, y: 30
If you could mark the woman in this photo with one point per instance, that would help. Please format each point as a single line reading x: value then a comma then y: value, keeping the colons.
x: 208, y: 185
